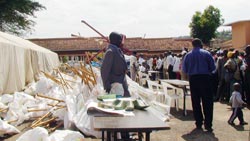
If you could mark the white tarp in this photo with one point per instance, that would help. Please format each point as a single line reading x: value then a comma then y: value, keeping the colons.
x: 20, y: 61
x: 19, y: 106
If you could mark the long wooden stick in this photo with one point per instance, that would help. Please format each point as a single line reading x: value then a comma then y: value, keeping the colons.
x: 37, y: 110
x: 62, y: 106
x: 40, y: 119
x: 14, y: 120
x: 74, y: 70
x: 45, y: 122
x: 51, y: 77
x: 51, y: 98
x: 70, y: 81
x: 89, y: 72
x: 102, y: 50
x: 4, y: 110
x: 92, y: 73
x: 95, y: 30
x: 66, y: 83
x: 84, y: 74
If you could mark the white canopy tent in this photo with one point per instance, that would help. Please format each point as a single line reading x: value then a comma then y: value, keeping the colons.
x: 20, y: 61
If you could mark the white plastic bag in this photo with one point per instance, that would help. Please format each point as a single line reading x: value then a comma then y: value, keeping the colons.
x: 6, y: 98
x: 84, y: 123
x: 71, y: 111
x: 43, y: 85
x: 116, y: 88
x: 6, y: 128
x: 66, y: 135
x: 36, y: 134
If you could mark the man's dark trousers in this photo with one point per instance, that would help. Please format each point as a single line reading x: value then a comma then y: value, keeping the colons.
x: 201, y: 91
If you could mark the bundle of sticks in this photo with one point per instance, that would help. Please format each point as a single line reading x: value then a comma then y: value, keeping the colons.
x: 85, y: 73
x: 59, y: 79
x: 48, y: 120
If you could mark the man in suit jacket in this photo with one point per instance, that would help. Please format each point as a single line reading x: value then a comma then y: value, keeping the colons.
x: 114, y: 67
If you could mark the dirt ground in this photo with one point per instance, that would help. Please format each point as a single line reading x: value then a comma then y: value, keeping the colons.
x: 182, y: 127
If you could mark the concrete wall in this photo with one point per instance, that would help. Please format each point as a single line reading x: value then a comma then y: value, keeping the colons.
x: 240, y: 34
x: 248, y: 33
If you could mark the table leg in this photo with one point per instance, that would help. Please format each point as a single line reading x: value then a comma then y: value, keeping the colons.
x: 140, y: 136
x: 108, y: 136
x: 115, y: 136
x: 102, y: 135
x: 184, y: 101
x: 148, y: 136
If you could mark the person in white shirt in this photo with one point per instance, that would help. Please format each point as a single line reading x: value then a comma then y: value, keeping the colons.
x: 171, y: 61
x: 176, y: 67
x: 150, y: 63
x: 165, y: 66
x: 159, y: 63
x: 142, y: 68
x: 159, y: 66
x: 237, y: 103
x: 141, y: 59
x: 133, y: 66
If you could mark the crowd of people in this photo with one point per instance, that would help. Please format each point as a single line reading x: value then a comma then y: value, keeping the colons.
x: 167, y: 64
x: 231, y: 66
x: 213, y: 75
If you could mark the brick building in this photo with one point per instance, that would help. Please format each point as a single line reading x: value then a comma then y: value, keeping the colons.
x: 78, y: 46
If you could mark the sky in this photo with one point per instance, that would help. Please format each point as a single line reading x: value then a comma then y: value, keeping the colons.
x: 134, y: 18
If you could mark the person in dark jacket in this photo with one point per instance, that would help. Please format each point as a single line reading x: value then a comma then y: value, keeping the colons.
x: 247, y: 74
x: 114, y: 67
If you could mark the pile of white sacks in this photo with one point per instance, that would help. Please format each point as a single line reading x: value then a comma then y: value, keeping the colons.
x: 74, y: 115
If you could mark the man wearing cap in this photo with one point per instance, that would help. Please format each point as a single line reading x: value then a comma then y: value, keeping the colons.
x: 114, y: 67
x: 231, y: 66
x: 198, y: 64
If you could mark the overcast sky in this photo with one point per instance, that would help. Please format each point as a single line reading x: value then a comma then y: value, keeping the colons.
x: 134, y: 18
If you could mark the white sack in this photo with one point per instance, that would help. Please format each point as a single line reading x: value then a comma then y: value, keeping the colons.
x: 6, y: 98
x: 71, y: 111
x: 3, y: 106
x: 31, y: 88
x: 84, y: 122
x: 117, y: 88
x: 17, y: 108
x: 66, y: 135
x: 6, y: 128
x: 36, y: 134
x: 43, y: 85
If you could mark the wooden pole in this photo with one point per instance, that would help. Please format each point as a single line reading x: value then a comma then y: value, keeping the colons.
x: 51, y: 98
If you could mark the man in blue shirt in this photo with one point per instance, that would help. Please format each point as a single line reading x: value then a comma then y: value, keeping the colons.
x: 199, y: 64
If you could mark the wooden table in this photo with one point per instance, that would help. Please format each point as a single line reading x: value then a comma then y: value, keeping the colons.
x: 180, y: 84
x: 142, y: 122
